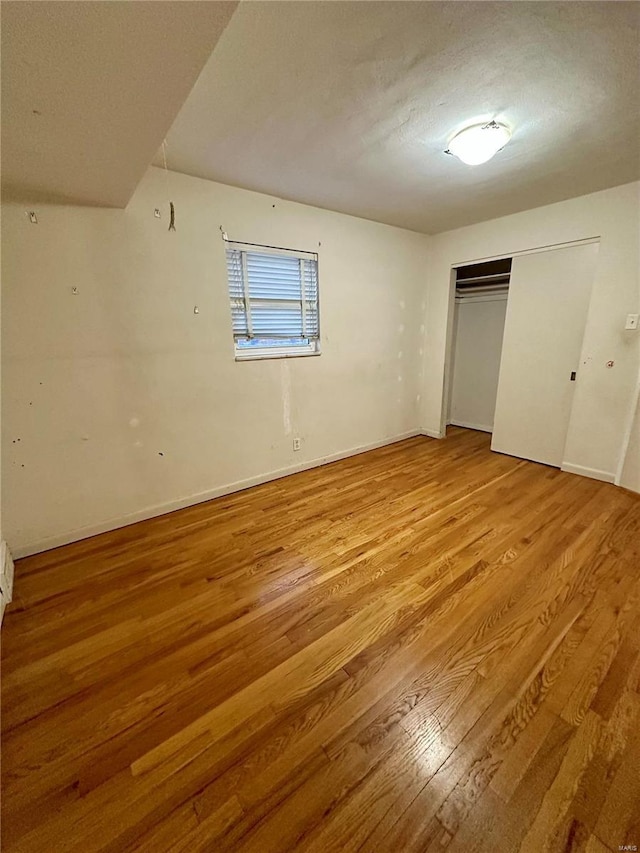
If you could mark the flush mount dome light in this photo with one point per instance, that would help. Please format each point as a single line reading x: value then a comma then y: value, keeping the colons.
x: 479, y: 143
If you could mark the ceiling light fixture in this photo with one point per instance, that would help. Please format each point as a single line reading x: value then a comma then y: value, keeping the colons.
x: 479, y: 143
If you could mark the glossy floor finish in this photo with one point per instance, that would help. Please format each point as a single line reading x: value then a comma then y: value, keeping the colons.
x: 424, y: 647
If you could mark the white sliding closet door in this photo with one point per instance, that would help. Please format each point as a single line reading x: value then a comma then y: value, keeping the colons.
x: 478, y: 331
x: 549, y: 296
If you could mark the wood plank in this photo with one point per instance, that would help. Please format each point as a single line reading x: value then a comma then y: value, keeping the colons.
x: 420, y: 647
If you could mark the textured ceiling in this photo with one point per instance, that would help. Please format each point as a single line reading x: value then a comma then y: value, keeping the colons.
x: 349, y: 106
x: 89, y: 90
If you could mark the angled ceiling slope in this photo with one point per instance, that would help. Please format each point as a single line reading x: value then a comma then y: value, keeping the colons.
x: 89, y: 90
x: 350, y: 105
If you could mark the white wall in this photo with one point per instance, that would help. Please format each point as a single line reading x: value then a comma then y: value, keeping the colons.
x: 602, y: 402
x: 630, y: 473
x: 98, y: 384
x: 3, y: 598
x: 477, y: 345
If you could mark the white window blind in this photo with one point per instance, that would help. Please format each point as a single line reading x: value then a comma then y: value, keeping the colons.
x: 274, y: 300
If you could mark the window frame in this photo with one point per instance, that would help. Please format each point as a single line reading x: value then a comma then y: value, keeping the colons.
x: 248, y: 353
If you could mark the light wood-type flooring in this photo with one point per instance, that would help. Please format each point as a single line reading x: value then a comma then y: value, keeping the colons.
x: 427, y: 647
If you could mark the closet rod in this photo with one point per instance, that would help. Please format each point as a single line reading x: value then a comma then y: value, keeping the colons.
x: 469, y: 292
x: 479, y: 278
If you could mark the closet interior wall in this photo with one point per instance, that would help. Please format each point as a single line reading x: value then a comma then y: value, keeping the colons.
x: 480, y: 310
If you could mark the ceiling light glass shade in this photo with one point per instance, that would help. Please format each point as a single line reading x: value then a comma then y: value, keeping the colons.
x: 479, y: 143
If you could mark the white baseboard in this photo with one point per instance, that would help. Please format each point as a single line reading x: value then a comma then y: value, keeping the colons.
x: 181, y: 503
x: 479, y: 427
x: 6, y: 573
x: 431, y: 433
x: 593, y: 473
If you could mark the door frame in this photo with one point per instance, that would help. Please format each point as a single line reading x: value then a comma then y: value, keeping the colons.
x: 448, y: 361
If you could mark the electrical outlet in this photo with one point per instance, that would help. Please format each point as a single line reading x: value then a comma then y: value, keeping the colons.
x: 297, y: 442
x: 632, y: 321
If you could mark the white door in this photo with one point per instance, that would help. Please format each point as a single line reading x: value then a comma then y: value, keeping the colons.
x: 547, y: 308
x: 478, y: 332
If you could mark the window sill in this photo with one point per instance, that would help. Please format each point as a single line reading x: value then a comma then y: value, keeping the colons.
x: 255, y: 356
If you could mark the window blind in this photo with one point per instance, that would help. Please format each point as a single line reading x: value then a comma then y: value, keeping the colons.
x: 273, y: 294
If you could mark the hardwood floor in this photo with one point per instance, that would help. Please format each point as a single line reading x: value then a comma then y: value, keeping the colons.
x: 424, y: 647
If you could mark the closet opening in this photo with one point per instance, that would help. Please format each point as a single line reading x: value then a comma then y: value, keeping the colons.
x: 480, y: 307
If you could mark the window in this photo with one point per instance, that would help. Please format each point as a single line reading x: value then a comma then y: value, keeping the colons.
x: 274, y: 301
